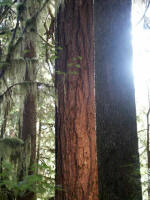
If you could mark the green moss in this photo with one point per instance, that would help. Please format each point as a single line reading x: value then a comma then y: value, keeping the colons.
x: 10, y: 47
x: 30, y: 21
x: 10, y: 148
x: 12, y: 142
x: 32, y: 29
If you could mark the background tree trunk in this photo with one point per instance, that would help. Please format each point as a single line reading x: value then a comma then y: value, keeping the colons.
x: 76, y: 163
x: 28, y: 132
x: 148, y: 153
x: 118, y: 158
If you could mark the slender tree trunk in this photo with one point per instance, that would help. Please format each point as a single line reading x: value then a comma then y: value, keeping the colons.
x: 148, y: 153
x: 117, y: 143
x: 38, y: 144
x: 76, y: 163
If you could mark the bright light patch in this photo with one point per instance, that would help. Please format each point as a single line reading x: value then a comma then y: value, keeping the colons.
x: 141, y: 56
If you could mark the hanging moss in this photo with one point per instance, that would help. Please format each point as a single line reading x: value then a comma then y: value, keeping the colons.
x: 10, y: 148
x: 12, y: 142
x: 30, y: 21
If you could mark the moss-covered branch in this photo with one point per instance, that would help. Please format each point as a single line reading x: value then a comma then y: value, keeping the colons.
x: 24, y: 83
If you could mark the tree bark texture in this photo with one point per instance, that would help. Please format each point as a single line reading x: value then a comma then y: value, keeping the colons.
x: 117, y: 143
x: 28, y: 133
x: 3, y: 126
x: 76, y: 162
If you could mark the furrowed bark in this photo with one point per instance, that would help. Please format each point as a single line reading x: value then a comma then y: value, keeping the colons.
x: 76, y: 162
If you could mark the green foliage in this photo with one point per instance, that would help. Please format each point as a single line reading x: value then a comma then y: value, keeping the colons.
x: 6, y: 3
x: 59, y: 72
x: 75, y: 61
x: 31, y: 183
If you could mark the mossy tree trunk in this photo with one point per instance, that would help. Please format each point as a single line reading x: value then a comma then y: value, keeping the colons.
x: 117, y: 142
x: 76, y: 163
x: 3, y: 129
x: 4, y: 123
x: 28, y: 132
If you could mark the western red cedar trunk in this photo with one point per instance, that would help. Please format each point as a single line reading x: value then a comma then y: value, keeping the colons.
x: 117, y: 143
x: 76, y: 163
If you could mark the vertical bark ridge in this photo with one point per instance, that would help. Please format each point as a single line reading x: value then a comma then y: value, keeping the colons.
x: 76, y: 163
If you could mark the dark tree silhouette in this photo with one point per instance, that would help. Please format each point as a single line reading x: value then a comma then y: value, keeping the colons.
x: 117, y: 143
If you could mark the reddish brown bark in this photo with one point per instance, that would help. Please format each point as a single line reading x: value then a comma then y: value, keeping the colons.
x: 76, y: 163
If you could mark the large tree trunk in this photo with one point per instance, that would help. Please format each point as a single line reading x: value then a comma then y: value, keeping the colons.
x: 76, y: 163
x: 117, y: 143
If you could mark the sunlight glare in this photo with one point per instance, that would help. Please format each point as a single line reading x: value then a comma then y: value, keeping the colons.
x: 141, y: 58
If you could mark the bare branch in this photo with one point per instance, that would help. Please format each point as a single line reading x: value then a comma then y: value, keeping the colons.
x: 146, y: 9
